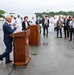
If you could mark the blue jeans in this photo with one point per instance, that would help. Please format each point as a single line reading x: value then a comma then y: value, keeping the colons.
x: 59, y: 29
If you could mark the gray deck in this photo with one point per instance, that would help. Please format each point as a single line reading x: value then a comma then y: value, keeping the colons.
x: 53, y: 57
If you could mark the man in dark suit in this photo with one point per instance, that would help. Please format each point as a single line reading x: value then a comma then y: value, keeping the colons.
x: 45, y: 24
x: 25, y: 23
x: 7, y: 30
x: 71, y: 28
x: 66, y: 27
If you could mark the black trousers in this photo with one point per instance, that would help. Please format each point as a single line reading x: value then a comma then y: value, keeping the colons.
x: 66, y: 31
x: 45, y: 29
x: 59, y: 29
x: 7, y: 52
x: 71, y: 33
x: 40, y: 29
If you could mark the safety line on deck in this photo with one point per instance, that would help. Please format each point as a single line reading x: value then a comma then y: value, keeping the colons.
x: 11, y: 71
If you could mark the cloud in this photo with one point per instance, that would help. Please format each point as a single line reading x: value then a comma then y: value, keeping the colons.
x: 32, y: 6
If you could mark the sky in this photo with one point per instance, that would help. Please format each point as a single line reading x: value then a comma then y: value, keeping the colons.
x: 32, y: 6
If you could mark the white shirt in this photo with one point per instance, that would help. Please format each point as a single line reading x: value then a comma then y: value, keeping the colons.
x: 33, y: 22
x: 19, y: 24
x: 26, y: 24
x: 18, y: 20
x: 13, y: 22
x: 46, y: 21
x: 54, y: 21
x: 71, y: 23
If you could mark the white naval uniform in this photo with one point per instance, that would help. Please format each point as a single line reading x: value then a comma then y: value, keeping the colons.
x: 19, y: 24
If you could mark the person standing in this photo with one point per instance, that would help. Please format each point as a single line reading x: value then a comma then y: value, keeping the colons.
x: 38, y: 22
x: 7, y: 30
x: 45, y: 24
x: 32, y: 21
x: 12, y: 22
x: 71, y: 28
x: 18, y: 23
x: 59, y: 27
x: 66, y: 28
x: 54, y: 22
x: 25, y: 23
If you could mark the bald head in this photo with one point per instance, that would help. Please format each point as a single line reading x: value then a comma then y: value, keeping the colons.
x: 32, y: 17
x: 8, y: 18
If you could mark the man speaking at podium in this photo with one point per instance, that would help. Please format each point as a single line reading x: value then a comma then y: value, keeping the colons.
x: 7, y: 30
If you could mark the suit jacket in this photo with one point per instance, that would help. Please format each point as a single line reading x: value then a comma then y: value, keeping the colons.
x: 65, y: 22
x: 38, y: 21
x: 7, y: 30
x: 43, y: 20
x: 43, y: 23
x: 24, y: 25
x: 68, y: 21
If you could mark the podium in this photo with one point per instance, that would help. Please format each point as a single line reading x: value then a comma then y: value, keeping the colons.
x: 34, y: 37
x: 21, y: 48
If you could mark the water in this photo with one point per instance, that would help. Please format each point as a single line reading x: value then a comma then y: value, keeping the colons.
x: 1, y: 24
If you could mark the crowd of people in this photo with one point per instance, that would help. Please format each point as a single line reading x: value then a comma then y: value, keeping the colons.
x: 12, y: 25
x: 46, y: 24
x: 67, y: 23
x: 17, y: 24
x: 23, y: 23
